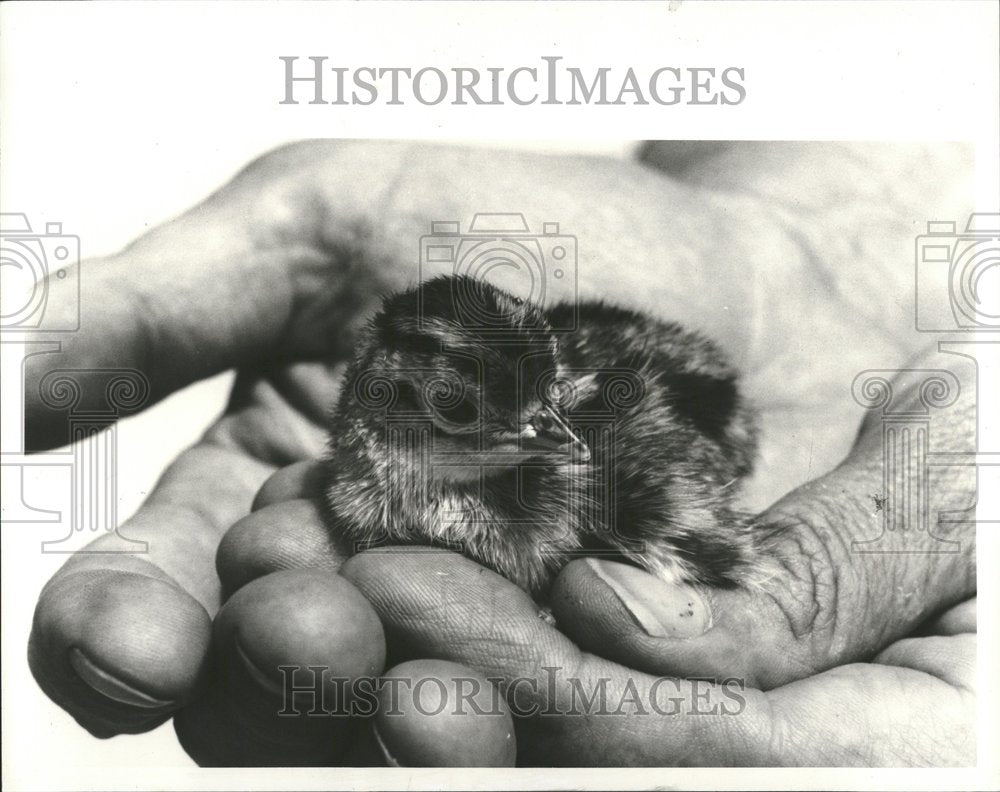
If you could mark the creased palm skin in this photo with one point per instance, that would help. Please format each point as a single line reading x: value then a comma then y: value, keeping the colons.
x: 767, y: 248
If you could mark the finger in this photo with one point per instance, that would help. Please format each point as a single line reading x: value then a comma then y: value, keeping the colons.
x: 281, y: 415
x: 639, y: 620
x: 177, y: 532
x: 874, y: 715
x: 438, y: 604
x: 948, y: 657
x: 574, y: 708
x: 433, y: 713
x: 815, y: 610
x: 232, y: 281
x: 764, y: 636
x: 287, y: 535
x: 298, y: 480
x: 120, y: 649
x: 836, y: 579
x: 121, y: 632
x: 954, y: 621
x: 300, y: 245
x: 287, y: 650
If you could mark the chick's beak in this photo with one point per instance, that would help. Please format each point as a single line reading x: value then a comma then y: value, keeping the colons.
x: 548, y: 432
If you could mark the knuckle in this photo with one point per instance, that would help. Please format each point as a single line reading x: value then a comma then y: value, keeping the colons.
x: 814, y: 585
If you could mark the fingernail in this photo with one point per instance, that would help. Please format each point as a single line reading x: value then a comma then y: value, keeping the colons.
x: 110, y: 686
x: 389, y: 758
x: 663, y: 610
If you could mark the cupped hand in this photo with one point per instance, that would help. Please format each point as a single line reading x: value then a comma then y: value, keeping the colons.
x: 273, y: 272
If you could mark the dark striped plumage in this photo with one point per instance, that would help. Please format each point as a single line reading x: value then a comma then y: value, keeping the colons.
x: 630, y: 436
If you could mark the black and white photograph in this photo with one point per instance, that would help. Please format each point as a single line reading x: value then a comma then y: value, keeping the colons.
x: 500, y: 396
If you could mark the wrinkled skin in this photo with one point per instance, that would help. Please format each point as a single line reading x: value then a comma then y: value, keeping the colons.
x: 796, y: 258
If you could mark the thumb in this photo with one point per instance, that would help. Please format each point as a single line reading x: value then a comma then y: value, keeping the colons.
x: 634, y: 618
x: 834, y: 584
x: 258, y: 270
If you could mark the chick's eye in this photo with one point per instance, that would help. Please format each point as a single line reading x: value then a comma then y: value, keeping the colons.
x: 464, y: 414
x: 544, y: 422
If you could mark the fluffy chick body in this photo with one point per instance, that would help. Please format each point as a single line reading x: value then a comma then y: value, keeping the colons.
x: 667, y: 435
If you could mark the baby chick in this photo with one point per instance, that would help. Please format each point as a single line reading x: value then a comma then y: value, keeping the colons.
x: 466, y: 422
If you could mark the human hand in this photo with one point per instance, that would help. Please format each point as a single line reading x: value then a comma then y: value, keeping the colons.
x: 272, y: 272
x: 913, y: 704
x: 773, y: 673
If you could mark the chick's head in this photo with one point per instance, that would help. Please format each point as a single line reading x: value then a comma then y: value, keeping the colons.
x: 472, y: 360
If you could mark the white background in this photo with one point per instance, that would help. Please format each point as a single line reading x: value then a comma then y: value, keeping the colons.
x: 115, y: 117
